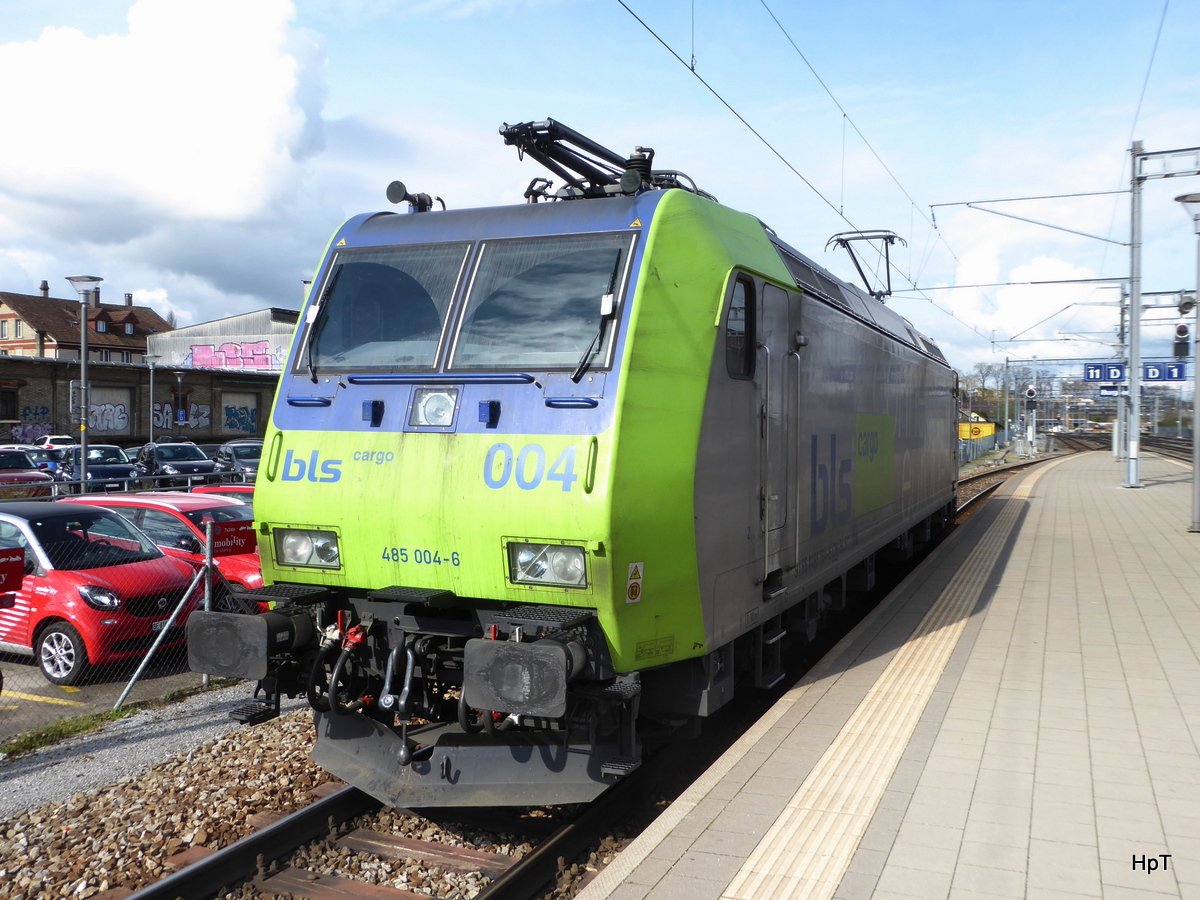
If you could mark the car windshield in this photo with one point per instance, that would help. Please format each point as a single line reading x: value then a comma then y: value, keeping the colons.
x: 173, y: 452
x: 536, y: 304
x: 241, y: 513
x: 384, y: 309
x: 91, y: 540
x: 101, y: 454
x: 247, y: 452
x: 246, y: 497
x: 15, y: 459
x: 44, y: 454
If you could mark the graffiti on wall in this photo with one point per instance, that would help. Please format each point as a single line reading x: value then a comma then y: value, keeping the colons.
x: 241, y: 419
x: 108, y: 418
x: 27, y: 434
x: 103, y: 418
x: 232, y: 355
x: 199, y: 415
x: 35, y: 423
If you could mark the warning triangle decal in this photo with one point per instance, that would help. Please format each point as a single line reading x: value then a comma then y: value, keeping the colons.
x: 635, y: 573
x: 636, y: 223
x: 341, y: 243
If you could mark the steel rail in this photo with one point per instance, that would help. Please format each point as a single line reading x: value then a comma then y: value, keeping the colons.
x: 240, y: 860
x: 538, y: 867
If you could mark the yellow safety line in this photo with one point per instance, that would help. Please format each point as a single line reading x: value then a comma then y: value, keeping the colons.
x: 809, y: 848
x: 38, y: 699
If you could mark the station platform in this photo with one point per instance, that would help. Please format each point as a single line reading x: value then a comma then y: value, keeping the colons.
x: 1020, y: 718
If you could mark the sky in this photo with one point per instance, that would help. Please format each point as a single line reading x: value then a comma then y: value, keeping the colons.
x: 199, y: 153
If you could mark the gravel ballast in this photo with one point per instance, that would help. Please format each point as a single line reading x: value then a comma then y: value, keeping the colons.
x: 124, y: 747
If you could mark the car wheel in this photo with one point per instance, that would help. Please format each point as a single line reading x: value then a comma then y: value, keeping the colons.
x: 61, y: 655
x: 224, y: 601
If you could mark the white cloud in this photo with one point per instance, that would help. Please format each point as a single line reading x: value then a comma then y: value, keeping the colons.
x: 199, y: 111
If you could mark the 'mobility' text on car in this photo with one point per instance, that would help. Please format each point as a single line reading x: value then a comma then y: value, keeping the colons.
x: 96, y: 590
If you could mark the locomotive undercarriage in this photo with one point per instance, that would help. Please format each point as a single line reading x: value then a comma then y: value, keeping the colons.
x: 422, y: 699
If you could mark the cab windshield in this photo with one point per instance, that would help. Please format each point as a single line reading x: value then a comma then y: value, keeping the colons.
x: 536, y: 303
x: 384, y: 309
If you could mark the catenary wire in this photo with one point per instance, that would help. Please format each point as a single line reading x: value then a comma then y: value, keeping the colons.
x: 794, y: 170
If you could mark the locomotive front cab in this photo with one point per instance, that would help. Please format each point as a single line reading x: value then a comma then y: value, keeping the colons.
x: 434, y: 499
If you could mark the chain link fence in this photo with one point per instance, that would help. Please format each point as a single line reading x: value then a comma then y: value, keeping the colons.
x: 92, y: 613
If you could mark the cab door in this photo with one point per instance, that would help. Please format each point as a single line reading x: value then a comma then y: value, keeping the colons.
x: 774, y: 439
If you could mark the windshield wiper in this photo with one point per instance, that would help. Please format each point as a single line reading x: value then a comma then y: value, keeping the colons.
x: 608, y: 306
x: 319, y: 327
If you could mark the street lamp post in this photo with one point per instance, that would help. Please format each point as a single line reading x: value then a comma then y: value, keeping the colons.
x: 84, y: 284
x: 179, y: 400
x: 1191, y: 205
x: 150, y: 361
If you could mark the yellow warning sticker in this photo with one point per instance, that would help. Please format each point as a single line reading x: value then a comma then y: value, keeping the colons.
x: 341, y: 243
x: 636, y: 223
x: 633, y: 588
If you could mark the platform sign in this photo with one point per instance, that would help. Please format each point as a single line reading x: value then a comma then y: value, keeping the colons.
x: 1164, y: 372
x: 1104, y: 372
x: 1110, y: 390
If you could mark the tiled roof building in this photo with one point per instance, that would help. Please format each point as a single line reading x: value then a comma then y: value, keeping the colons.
x: 47, y: 327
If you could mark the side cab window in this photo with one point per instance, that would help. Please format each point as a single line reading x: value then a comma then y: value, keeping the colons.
x: 740, y: 343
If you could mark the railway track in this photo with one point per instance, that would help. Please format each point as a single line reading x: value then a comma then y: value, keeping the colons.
x: 1174, y: 448
x: 973, y: 489
x: 337, y: 829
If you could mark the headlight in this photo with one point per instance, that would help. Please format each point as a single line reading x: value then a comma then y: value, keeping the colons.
x: 433, y: 407
x: 170, y: 470
x: 555, y: 564
x: 306, y: 548
x: 99, y: 598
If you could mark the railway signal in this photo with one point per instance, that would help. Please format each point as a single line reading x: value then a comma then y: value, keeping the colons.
x: 1183, y: 336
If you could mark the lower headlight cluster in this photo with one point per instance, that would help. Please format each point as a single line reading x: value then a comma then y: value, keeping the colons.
x: 297, y: 547
x: 557, y: 564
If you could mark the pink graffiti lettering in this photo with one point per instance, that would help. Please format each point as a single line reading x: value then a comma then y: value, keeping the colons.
x: 253, y: 355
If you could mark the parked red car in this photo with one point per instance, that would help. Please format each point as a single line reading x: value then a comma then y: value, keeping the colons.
x: 95, y: 591
x: 175, y: 522
x: 20, y: 477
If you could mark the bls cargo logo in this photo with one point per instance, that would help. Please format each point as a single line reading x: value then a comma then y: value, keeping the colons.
x: 852, y: 477
x: 312, y: 469
x: 831, y: 503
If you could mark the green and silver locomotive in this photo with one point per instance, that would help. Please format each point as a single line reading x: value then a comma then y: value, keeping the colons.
x: 544, y: 480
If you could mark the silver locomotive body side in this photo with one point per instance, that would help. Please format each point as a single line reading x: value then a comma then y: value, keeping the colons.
x: 839, y: 445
